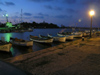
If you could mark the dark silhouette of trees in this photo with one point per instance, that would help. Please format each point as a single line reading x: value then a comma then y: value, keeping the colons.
x: 38, y: 25
x: 2, y: 25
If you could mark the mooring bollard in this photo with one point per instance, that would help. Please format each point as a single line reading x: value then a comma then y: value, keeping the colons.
x: 82, y: 38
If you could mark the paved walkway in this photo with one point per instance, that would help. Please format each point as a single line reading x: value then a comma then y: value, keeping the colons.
x: 73, y: 58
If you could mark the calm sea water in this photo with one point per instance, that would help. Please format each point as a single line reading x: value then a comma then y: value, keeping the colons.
x: 15, y: 50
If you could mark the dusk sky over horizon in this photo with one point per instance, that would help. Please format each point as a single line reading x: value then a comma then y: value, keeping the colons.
x: 60, y: 12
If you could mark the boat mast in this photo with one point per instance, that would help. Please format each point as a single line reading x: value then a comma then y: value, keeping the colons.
x: 21, y: 15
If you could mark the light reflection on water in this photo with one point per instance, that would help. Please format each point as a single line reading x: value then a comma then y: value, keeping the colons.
x: 15, y: 50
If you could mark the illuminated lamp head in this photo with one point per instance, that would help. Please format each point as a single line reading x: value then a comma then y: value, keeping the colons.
x: 91, y: 13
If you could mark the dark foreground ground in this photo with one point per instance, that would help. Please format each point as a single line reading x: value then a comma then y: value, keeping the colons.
x: 73, y: 58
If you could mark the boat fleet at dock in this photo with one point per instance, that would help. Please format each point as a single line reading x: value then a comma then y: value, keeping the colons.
x: 60, y: 37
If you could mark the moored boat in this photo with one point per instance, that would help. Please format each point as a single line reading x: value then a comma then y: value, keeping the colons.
x: 41, y: 40
x: 77, y: 34
x: 67, y: 35
x: 21, y: 42
x: 85, y: 34
x: 58, y: 38
x: 64, y: 33
x: 5, y: 46
x: 97, y: 32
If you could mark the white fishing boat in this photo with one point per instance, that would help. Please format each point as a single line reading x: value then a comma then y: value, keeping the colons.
x: 67, y: 35
x: 77, y: 34
x: 85, y: 34
x: 5, y: 47
x: 64, y: 33
x: 21, y: 42
x: 58, y: 38
x: 97, y: 32
x: 41, y: 40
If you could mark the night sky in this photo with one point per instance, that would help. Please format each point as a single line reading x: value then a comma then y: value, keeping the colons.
x: 60, y: 12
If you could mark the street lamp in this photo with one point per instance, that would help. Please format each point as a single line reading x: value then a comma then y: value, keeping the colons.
x: 91, y: 14
x: 6, y: 15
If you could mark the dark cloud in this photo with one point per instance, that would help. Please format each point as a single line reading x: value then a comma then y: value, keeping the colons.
x: 88, y: 2
x: 1, y: 3
x: 0, y: 9
x: 48, y: 7
x: 70, y: 1
x: 15, y: 17
x: 54, y: 8
x: 41, y: 0
x: 69, y: 10
x: 9, y: 3
x: 41, y: 14
x: 63, y: 16
x: 58, y: 8
x: 41, y: 17
x: 3, y: 11
x: 27, y: 14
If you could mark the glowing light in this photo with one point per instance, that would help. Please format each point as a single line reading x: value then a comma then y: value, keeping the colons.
x: 91, y: 13
x: 8, y: 24
x: 7, y: 36
x: 79, y: 20
x: 6, y: 15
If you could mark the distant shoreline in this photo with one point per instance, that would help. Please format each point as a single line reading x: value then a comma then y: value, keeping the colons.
x: 68, y: 28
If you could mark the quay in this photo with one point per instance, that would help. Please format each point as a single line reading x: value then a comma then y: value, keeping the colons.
x: 80, y: 57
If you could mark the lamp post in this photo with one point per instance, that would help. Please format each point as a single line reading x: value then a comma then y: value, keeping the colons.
x: 6, y: 15
x: 91, y: 14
